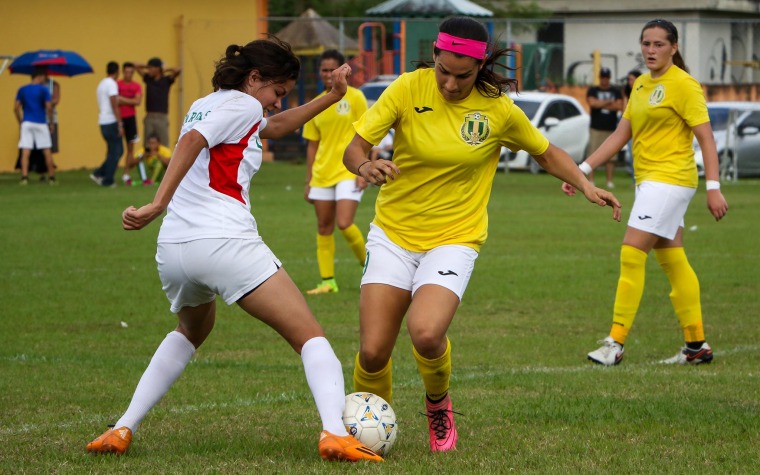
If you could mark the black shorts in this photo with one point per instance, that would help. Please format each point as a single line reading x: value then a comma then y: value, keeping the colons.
x: 130, y: 129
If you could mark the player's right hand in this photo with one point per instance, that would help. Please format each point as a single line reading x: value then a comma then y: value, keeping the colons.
x: 378, y: 172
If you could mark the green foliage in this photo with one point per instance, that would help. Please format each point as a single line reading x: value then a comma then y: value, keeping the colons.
x: 540, y: 297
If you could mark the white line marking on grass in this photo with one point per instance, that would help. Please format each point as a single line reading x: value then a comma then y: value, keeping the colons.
x: 259, y: 400
x: 267, y: 398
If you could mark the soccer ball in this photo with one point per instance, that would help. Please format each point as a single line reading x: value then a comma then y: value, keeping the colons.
x: 370, y: 419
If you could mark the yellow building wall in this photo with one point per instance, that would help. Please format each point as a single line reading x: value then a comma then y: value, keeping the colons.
x: 191, y: 34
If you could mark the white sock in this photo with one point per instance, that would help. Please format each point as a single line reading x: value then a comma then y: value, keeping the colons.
x: 324, y: 374
x: 167, y: 364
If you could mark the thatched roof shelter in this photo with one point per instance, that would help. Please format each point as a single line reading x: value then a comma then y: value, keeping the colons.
x: 310, y: 35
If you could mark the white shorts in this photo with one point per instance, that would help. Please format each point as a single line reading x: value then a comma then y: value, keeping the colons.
x: 344, y: 190
x: 449, y: 266
x: 194, y: 273
x: 34, y: 134
x: 659, y: 208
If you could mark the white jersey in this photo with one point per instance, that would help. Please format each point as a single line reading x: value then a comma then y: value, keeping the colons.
x: 212, y: 199
x: 106, y: 89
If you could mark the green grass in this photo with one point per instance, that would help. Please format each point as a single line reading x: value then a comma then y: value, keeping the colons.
x: 540, y: 297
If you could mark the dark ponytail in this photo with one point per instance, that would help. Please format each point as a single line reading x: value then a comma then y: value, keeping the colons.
x: 271, y: 57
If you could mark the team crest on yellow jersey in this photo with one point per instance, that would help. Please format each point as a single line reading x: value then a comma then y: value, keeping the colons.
x: 475, y: 129
x: 657, y: 95
x: 343, y: 107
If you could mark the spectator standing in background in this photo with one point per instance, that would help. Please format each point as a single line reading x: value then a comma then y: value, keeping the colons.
x: 130, y: 96
x: 55, y: 98
x: 34, y: 112
x: 157, y: 83
x: 605, y: 101
x: 630, y: 79
x: 111, y: 126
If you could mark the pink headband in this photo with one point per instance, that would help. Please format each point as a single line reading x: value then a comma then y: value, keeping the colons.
x: 472, y: 48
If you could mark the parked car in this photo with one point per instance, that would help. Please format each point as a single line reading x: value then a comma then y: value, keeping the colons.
x: 562, y: 120
x: 373, y: 88
x: 737, y: 135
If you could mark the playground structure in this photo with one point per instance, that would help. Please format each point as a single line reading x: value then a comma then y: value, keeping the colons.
x: 374, y: 58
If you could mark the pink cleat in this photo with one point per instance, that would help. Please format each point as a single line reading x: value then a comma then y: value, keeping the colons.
x: 443, y: 430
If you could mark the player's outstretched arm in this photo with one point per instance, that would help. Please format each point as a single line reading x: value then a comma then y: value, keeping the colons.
x: 287, y: 121
x: 557, y: 162
x: 604, y: 153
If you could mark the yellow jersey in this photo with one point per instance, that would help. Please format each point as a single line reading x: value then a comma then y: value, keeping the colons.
x: 334, y: 130
x: 662, y: 113
x: 447, y: 153
x: 163, y: 152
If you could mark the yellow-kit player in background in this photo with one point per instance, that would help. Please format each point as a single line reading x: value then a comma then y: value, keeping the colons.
x: 334, y: 191
x: 666, y: 110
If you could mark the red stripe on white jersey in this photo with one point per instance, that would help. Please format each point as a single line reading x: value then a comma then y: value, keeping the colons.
x: 224, y: 163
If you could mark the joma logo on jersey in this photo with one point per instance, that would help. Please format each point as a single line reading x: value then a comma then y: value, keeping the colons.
x: 475, y: 129
x: 657, y: 95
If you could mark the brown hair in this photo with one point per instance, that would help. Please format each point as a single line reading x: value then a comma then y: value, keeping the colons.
x: 672, y: 32
x: 271, y: 57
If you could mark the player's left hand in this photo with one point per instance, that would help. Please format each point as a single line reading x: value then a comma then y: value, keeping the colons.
x: 361, y: 184
x: 603, y: 198
x: 568, y: 189
x: 717, y: 204
x: 340, y: 79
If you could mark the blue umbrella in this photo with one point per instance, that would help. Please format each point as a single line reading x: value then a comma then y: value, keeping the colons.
x: 57, y: 62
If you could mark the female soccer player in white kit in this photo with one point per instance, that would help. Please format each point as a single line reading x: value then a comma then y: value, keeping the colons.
x: 209, y: 245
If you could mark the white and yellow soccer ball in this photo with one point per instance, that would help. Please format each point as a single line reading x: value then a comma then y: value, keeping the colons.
x: 370, y: 419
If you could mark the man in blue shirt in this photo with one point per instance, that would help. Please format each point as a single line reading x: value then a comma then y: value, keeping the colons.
x: 34, y: 111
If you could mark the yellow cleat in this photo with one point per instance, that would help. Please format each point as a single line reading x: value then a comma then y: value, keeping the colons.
x: 328, y: 286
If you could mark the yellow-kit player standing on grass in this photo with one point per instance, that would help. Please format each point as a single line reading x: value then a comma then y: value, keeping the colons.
x: 334, y: 191
x: 451, y: 119
x: 665, y: 112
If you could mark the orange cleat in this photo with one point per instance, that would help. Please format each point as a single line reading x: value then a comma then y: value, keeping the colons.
x: 345, y: 448
x: 113, y: 441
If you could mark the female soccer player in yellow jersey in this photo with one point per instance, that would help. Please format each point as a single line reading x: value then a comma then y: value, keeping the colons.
x: 450, y: 122
x: 334, y: 191
x: 664, y: 113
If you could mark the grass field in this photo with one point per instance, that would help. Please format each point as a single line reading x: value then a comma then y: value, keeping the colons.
x: 540, y: 298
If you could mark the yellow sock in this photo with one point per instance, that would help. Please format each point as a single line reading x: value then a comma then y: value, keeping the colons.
x: 629, y: 290
x: 355, y: 241
x: 380, y: 383
x: 326, y: 256
x: 435, y: 373
x: 684, y: 292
